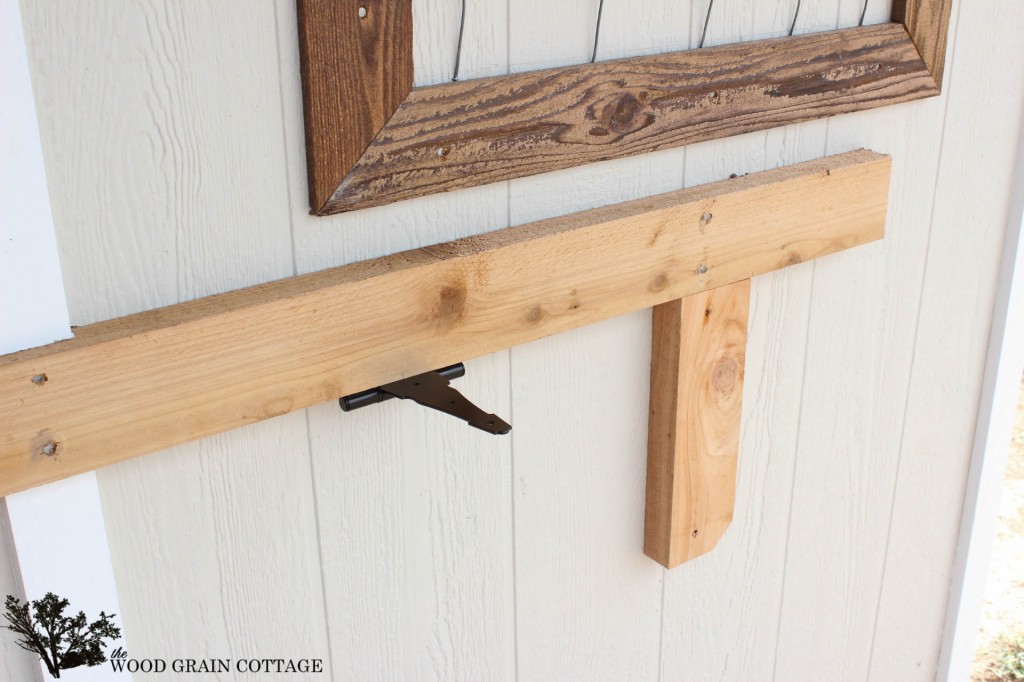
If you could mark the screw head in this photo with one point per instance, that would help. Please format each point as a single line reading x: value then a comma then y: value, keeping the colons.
x: 39, y: 379
x: 50, y: 448
x: 362, y: 12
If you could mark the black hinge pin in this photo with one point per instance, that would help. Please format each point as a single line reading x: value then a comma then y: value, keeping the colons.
x: 430, y: 389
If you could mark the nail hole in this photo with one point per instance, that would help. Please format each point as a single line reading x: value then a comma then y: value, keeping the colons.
x: 362, y: 12
x: 415, y: 383
x: 40, y: 379
x: 451, y: 402
x: 695, y: 533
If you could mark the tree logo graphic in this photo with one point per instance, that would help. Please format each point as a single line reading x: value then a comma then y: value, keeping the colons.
x: 62, y: 642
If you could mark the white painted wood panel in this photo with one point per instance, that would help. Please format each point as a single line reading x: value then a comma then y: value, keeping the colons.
x: 991, y: 448
x: 15, y: 662
x: 735, y: 591
x: 43, y: 527
x: 414, y: 507
x: 977, y: 177
x: 588, y: 602
x: 162, y: 129
x: 860, y: 341
x: 403, y: 545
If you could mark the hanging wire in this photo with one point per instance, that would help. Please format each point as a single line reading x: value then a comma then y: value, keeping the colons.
x: 863, y: 13
x: 458, y: 49
x: 792, y: 27
x: 707, y: 19
x: 597, y: 31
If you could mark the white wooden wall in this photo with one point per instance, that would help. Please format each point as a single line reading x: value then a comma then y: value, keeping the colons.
x: 400, y: 544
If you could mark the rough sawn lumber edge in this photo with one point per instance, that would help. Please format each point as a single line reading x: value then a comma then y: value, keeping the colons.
x: 144, y: 382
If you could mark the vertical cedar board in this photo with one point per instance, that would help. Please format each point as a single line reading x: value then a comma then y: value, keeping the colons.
x: 697, y: 361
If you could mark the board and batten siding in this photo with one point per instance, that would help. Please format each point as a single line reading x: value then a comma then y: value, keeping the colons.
x: 401, y: 545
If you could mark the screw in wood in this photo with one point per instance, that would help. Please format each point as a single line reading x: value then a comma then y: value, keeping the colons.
x: 362, y: 12
x: 706, y: 218
x: 39, y: 379
x: 50, y: 449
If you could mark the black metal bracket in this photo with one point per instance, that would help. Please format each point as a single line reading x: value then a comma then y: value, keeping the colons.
x: 431, y: 389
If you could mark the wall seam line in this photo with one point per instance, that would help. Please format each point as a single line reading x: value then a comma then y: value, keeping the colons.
x: 796, y: 464
x: 295, y: 271
x: 913, y: 351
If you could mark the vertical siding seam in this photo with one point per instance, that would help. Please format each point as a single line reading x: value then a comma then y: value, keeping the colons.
x: 913, y: 351
x: 295, y: 271
x: 284, y: 143
x: 319, y: 542
x: 796, y: 465
x: 511, y: 391
x: 512, y: 485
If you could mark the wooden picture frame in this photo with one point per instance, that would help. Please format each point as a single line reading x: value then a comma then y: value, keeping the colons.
x: 372, y: 138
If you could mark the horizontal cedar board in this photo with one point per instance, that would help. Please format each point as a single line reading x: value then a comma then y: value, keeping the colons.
x: 148, y: 381
x: 456, y: 135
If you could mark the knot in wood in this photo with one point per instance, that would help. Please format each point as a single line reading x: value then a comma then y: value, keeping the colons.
x: 619, y: 115
x: 724, y: 377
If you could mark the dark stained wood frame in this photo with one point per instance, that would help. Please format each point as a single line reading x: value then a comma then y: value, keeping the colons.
x: 372, y: 139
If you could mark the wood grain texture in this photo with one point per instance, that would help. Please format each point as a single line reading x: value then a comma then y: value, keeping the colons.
x: 261, y: 352
x: 357, y: 66
x: 697, y: 363
x: 927, y: 22
x: 469, y: 133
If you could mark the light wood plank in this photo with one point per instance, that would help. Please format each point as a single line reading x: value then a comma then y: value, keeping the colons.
x: 480, y: 131
x: 693, y: 436
x: 212, y: 364
x: 927, y: 21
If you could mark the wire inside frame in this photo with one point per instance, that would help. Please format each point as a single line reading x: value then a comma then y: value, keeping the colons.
x: 373, y: 139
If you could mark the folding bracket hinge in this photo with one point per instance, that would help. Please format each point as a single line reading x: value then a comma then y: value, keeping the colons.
x: 431, y: 389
